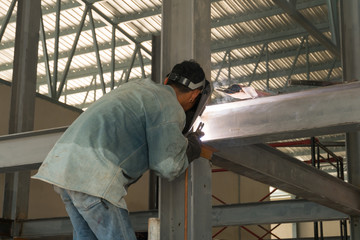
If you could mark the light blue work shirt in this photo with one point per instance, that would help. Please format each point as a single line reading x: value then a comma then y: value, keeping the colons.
x: 135, y: 127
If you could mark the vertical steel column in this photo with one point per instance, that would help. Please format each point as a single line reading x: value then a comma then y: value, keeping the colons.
x: 156, y: 59
x: 353, y: 161
x: 156, y: 77
x: 313, y: 163
x: 186, y: 35
x: 350, y: 53
x: 17, y: 184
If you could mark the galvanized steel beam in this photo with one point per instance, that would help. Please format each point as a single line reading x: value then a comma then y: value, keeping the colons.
x: 26, y: 151
x: 309, y: 113
x: 288, y: 211
x: 62, y: 226
x: 270, y: 166
x: 156, y: 77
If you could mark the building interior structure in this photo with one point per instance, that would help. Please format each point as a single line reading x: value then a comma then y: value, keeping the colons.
x: 287, y: 160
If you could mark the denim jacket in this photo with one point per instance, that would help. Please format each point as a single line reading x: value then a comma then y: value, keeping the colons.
x: 135, y: 127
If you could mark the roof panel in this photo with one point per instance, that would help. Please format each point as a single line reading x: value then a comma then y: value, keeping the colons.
x: 234, y: 21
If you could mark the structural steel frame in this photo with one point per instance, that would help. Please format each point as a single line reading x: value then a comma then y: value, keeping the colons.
x: 41, y: 142
x: 232, y: 145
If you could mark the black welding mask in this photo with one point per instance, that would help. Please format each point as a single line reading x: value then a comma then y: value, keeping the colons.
x: 200, y: 102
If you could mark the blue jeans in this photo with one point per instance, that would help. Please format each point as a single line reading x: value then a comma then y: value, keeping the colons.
x: 95, y: 218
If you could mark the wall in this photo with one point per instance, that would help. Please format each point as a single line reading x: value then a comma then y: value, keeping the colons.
x: 43, y: 201
x: 231, y: 188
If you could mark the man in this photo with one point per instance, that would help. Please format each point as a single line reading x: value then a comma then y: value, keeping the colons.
x: 135, y: 127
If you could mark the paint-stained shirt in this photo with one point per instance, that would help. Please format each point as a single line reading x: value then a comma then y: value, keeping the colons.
x: 135, y: 127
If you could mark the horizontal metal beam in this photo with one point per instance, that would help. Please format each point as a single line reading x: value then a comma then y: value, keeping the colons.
x: 311, y: 238
x: 84, y: 72
x: 226, y: 20
x: 305, y: 23
x: 63, y: 227
x: 314, y: 112
x: 289, y: 52
x: 26, y: 151
x: 93, y: 71
x: 216, y: 47
x: 288, y: 211
x: 227, y: 215
x: 270, y: 166
x: 263, y: 37
x: 320, y: 111
x: 325, y: 66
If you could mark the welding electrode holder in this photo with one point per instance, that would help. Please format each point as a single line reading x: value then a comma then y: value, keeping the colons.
x: 198, y: 108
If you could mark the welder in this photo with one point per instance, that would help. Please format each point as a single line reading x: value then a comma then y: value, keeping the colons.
x: 136, y: 127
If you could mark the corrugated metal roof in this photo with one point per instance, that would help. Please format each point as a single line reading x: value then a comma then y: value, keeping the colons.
x: 238, y: 27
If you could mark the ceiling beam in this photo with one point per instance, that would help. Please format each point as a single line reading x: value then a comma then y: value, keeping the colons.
x: 264, y: 13
x: 82, y: 72
x: 245, y: 79
x: 151, y: 12
x: 262, y: 38
x: 270, y: 166
x: 291, y: 10
x: 285, y: 73
x: 49, y: 10
x: 290, y: 52
x: 215, y: 22
x: 218, y: 46
x: 257, y: 77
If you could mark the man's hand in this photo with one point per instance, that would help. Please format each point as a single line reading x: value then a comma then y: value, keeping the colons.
x: 194, y: 145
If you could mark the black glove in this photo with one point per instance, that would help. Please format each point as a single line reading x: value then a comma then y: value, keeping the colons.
x: 194, y: 145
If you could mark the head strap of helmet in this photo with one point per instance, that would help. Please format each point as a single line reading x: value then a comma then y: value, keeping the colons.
x: 185, y: 81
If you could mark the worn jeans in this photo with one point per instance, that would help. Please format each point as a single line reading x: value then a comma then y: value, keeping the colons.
x: 95, y: 218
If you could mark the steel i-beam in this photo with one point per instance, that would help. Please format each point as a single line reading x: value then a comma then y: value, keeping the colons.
x: 271, y: 166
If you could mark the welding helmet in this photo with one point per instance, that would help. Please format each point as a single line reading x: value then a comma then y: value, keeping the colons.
x: 200, y: 102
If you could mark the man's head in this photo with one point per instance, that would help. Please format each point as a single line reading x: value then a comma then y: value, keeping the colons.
x: 188, y: 80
